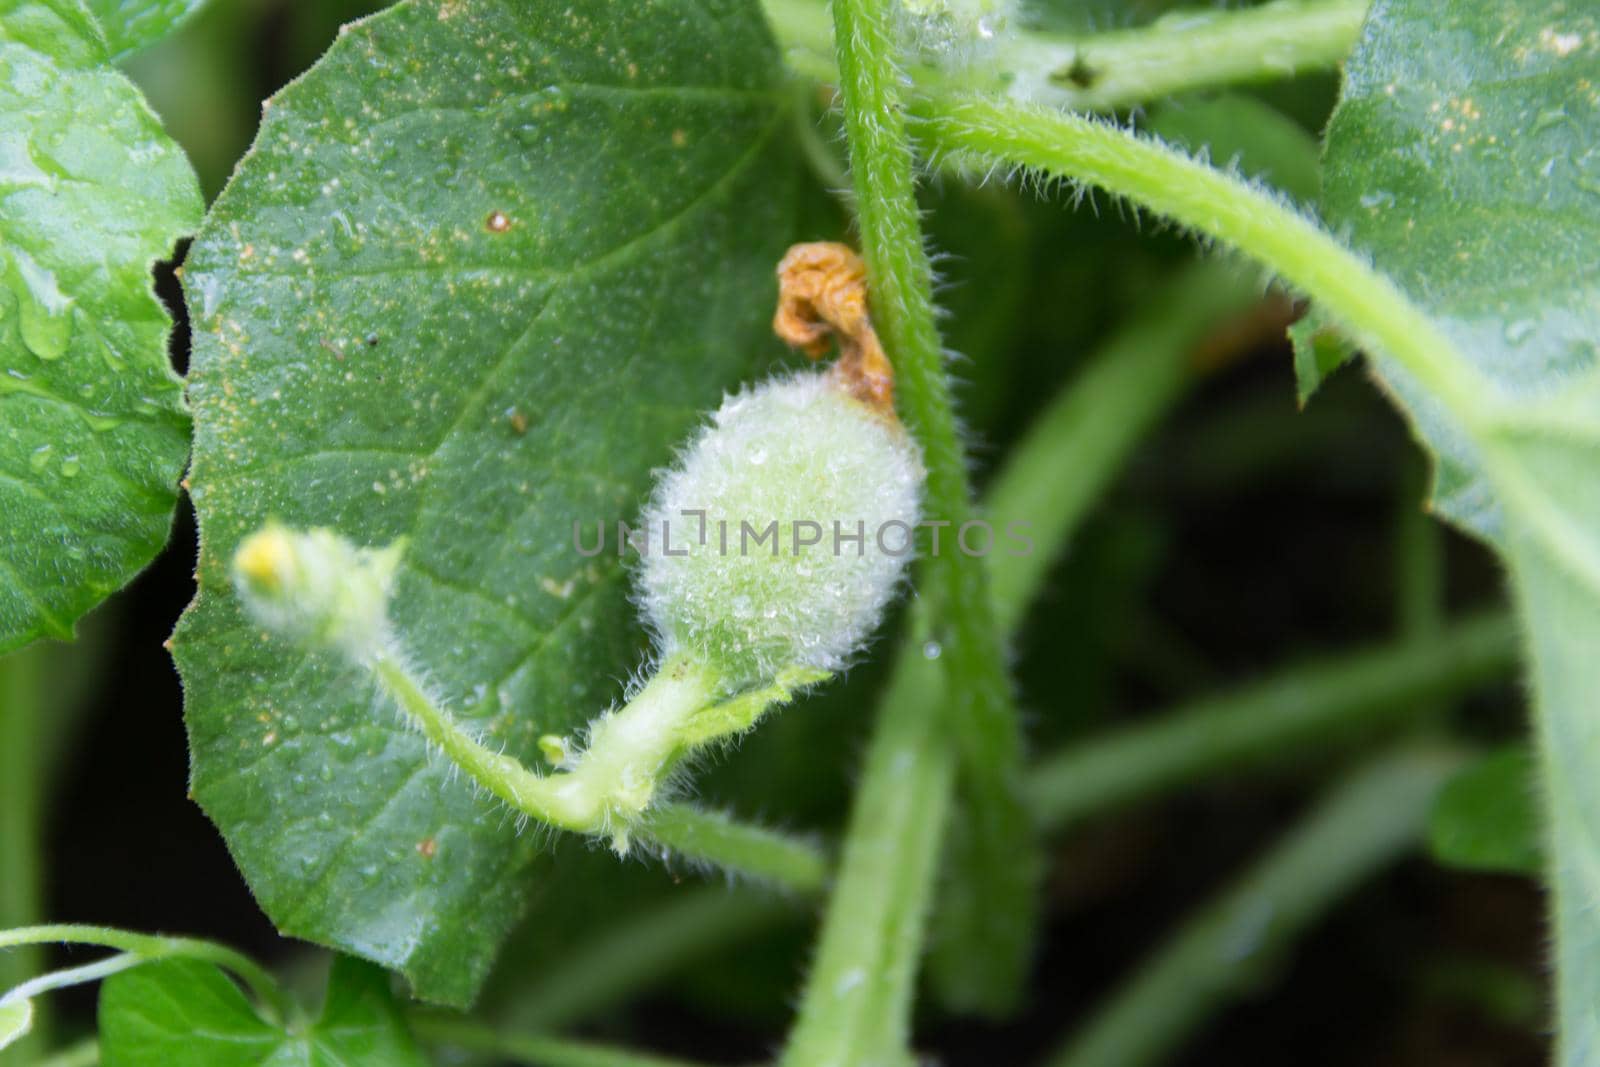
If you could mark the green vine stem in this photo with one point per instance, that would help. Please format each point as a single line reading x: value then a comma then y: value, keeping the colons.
x: 856, y: 1008
x: 143, y: 948
x: 1225, y: 208
x: 1363, y: 825
x: 1181, y: 52
x: 21, y: 819
x: 534, y: 1050
x: 610, y: 795
x: 996, y: 854
x: 68, y: 977
x: 1308, y: 705
x: 614, y: 781
x: 797, y: 865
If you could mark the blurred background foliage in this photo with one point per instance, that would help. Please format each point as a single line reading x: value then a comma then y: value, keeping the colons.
x: 1245, y: 534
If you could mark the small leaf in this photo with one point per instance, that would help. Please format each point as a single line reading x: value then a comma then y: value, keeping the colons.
x: 185, y: 1013
x: 1486, y: 817
x: 16, y: 1019
x: 177, y: 1013
x: 361, y: 1021
x: 92, y: 424
x: 487, y: 264
x: 1320, y: 348
x: 134, y: 24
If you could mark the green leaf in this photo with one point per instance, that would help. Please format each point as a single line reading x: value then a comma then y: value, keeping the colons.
x: 1486, y: 817
x: 1465, y: 157
x: 185, y: 1013
x: 487, y: 264
x: 134, y: 24
x: 1320, y: 348
x: 92, y: 424
x: 16, y: 1019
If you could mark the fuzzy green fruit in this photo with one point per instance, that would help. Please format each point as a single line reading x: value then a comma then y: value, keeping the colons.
x: 810, y: 498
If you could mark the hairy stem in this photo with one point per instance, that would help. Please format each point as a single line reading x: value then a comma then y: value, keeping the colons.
x: 795, y: 864
x: 1302, y: 706
x: 996, y: 855
x: 68, y: 977
x: 535, y: 1050
x: 1223, y: 207
x: 1363, y: 825
x: 610, y: 788
x: 148, y: 947
x: 1182, y: 52
x: 857, y: 1003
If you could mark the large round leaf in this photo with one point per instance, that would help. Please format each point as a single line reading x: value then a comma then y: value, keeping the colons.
x: 484, y: 267
x: 92, y: 427
x: 1465, y: 158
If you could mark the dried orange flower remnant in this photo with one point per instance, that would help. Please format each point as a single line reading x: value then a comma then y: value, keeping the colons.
x: 822, y: 290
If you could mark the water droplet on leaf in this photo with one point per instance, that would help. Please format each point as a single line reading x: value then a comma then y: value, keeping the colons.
x: 44, y: 311
x: 1519, y: 331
